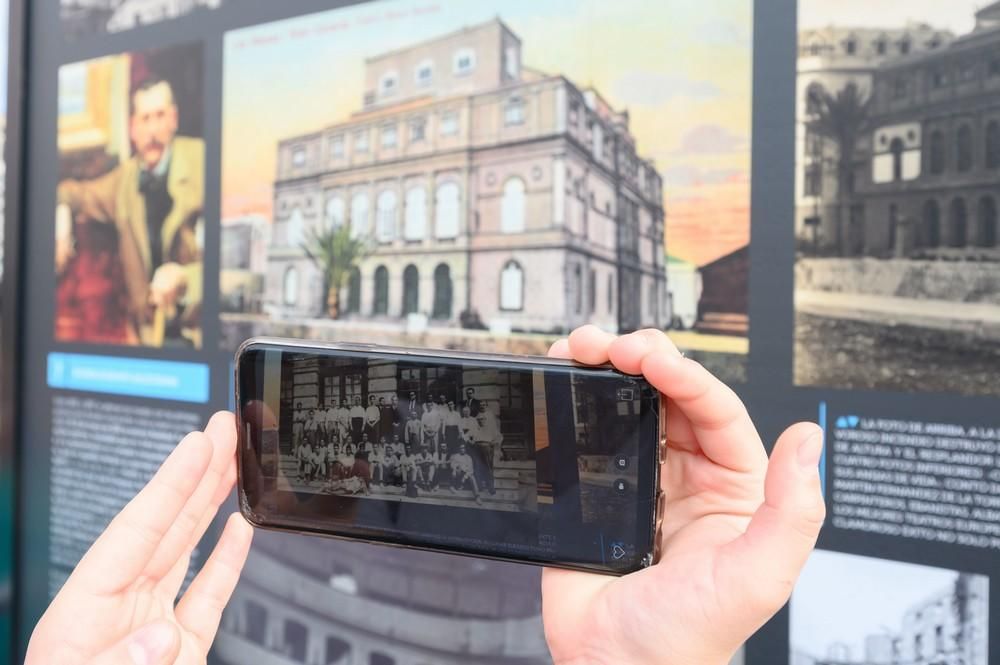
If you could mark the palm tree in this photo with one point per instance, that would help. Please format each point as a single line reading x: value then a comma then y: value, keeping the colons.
x: 842, y: 119
x: 335, y: 251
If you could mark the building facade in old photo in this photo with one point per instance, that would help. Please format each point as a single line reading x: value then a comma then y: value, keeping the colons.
x: 304, y: 600
x: 924, y: 171
x: 488, y: 188
x: 82, y: 17
x: 898, y: 159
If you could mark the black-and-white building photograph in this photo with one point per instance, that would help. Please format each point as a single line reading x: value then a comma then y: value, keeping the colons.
x: 856, y: 610
x: 439, y: 435
x: 897, y: 284
x: 82, y: 18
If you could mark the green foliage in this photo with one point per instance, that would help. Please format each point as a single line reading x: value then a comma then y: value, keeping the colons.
x: 335, y: 251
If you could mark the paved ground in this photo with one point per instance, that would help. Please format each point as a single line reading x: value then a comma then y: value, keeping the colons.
x: 859, y: 355
x: 975, y: 318
x: 725, y: 356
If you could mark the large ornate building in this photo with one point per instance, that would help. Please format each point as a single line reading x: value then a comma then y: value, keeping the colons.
x: 830, y: 59
x: 932, y: 162
x: 485, y: 187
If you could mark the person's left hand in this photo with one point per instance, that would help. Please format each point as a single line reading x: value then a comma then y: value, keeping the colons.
x: 117, y: 608
x: 168, y: 284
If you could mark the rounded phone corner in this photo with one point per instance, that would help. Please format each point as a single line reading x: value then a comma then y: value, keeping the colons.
x: 247, y: 512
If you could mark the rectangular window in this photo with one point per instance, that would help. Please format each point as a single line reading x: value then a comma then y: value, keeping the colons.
x: 995, y: 66
x: 464, y: 61
x: 337, y: 146
x: 513, y: 113
x: 389, y: 136
x: 418, y: 129
x: 813, y: 185
x: 512, y: 67
x: 449, y: 123
x: 578, y: 287
x: 900, y: 88
x: 361, y: 141
x: 425, y: 74
x: 592, y: 290
x: 611, y: 294
x: 299, y: 157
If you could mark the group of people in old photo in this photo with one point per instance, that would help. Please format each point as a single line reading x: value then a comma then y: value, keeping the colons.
x: 418, y: 444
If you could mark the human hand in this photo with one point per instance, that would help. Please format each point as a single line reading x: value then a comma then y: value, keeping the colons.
x: 65, y: 249
x: 168, y: 284
x: 737, y: 528
x: 117, y: 608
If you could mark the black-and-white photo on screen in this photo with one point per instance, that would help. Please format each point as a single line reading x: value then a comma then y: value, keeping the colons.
x: 385, y: 429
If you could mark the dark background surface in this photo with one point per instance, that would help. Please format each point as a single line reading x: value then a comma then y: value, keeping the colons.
x: 27, y: 312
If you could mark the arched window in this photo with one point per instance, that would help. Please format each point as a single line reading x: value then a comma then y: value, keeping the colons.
x: 986, y: 235
x: 896, y: 147
x: 385, y: 216
x: 416, y: 214
x: 963, y: 148
x: 931, y: 235
x: 290, y: 286
x: 335, y: 212
x: 442, y: 292
x: 937, y: 153
x: 993, y: 145
x: 958, y: 224
x: 359, y: 215
x: 814, y: 99
x: 295, y: 233
x: 411, y: 290
x: 512, y: 287
x: 381, y: 305
x: 512, y: 212
x: 446, y: 210
x: 354, y: 291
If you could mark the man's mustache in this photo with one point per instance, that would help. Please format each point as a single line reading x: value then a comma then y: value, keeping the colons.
x: 152, y: 144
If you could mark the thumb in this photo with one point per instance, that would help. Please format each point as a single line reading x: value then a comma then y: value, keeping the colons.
x: 157, y: 643
x: 763, y: 563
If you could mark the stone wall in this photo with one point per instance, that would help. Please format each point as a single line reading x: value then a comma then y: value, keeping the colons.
x: 972, y: 282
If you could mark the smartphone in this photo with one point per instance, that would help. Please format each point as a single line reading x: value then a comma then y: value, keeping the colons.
x: 518, y: 458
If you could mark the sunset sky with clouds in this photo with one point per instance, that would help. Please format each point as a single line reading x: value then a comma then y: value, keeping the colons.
x: 683, y: 72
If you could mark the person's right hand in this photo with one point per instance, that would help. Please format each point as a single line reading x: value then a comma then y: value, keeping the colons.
x: 117, y: 608
x: 737, y: 527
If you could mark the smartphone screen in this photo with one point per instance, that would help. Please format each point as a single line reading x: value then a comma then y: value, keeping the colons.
x: 524, y: 459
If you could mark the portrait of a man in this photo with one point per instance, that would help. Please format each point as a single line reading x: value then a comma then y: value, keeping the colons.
x: 129, y: 226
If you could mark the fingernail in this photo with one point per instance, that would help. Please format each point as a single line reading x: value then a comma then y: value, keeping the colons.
x: 150, y: 644
x: 810, y: 451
